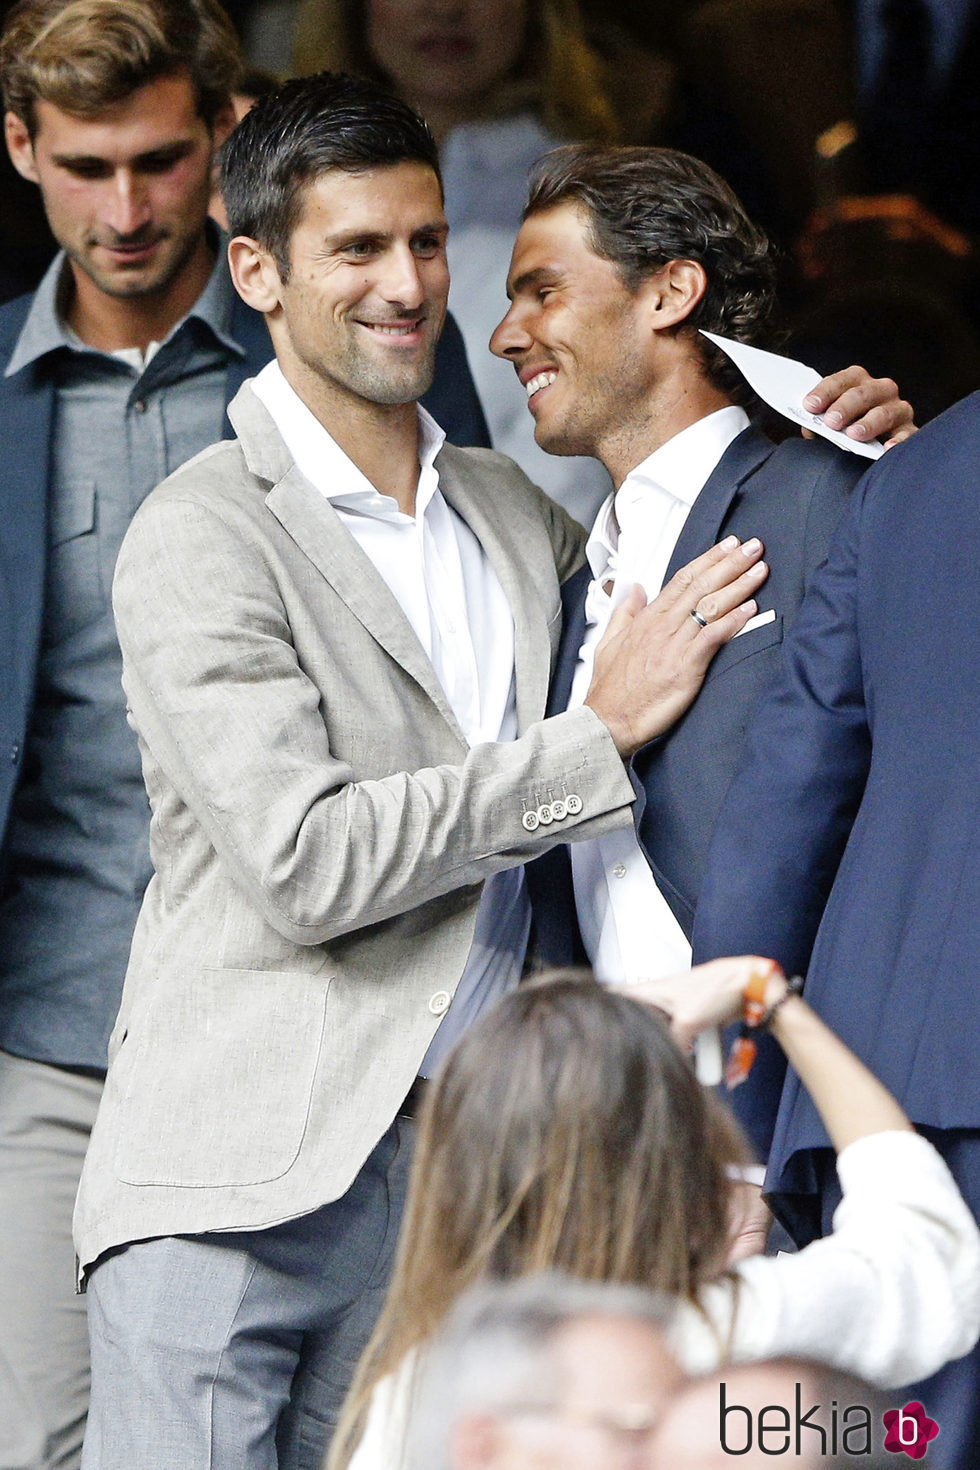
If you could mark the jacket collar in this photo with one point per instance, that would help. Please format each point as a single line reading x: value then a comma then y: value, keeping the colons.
x: 319, y: 533
x: 703, y: 525
x: 701, y: 529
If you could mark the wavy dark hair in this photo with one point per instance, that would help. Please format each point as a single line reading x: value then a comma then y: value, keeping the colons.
x: 647, y: 206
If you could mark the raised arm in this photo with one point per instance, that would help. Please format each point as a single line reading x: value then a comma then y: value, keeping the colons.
x: 894, y: 1291
x: 852, y: 1103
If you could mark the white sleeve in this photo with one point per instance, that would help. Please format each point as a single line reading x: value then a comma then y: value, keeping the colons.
x: 382, y: 1445
x: 891, y: 1295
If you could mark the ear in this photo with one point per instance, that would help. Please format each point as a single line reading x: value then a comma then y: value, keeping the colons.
x: 254, y: 273
x: 674, y: 292
x: 20, y: 147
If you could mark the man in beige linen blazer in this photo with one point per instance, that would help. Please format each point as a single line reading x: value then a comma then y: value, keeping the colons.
x: 322, y: 827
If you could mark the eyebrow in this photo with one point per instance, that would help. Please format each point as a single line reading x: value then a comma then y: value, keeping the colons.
x: 175, y: 150
x: 383, y: 237
x: 529, y: 279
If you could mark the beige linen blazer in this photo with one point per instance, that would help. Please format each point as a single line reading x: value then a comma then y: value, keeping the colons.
x: 320, y: 831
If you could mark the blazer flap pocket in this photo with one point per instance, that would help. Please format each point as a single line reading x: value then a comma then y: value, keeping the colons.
x: 73, y: 511
x: 745, y: 645
x: 217, y: 1077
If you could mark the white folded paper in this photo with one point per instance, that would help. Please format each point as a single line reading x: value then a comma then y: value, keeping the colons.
x: 783, y: 383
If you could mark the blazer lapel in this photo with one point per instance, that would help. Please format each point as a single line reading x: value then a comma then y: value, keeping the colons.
x: 573, y: 596
x: 311, y: 521
x: 28, y: 402
x: 505, y: 541
x: 703, y: 525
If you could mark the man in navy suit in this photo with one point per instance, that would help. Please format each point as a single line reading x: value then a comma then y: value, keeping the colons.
x: 848, y: 845
x: 624, y: 254
x: 112, y: 374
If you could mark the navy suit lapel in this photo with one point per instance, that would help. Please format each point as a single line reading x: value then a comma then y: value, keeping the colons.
x: 556, y: 938
x: 27, y: 402
x: 573, y: 595
x: 703, y: 526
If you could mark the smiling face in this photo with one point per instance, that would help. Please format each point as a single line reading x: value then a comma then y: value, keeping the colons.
x: 360, y: 315
x: 126, y: 192
x: 580, y: 340
x: 445, y: 53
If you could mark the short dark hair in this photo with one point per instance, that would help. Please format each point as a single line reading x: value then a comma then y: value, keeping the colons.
x: 301, y: 130
x: 85, y: 55
x: 647, y: 206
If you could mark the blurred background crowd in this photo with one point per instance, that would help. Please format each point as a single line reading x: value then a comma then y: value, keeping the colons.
x: 849, y: 128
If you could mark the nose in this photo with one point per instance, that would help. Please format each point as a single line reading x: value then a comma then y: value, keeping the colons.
x: 128, y: 207
x: 401, y: 282
x: 510, y: 337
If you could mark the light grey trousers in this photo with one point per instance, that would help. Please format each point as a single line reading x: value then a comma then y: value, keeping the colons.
x: 46, y: 1116
x: 233, y: 1351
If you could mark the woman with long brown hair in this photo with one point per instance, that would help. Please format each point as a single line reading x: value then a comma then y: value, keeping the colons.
x: 510, y: 57
x: 566, y: 1129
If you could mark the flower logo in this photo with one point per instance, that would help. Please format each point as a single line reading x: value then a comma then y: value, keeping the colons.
x: 909, y: 1430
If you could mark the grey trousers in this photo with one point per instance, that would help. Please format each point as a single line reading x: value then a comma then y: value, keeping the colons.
x: 234, y: 1350
x: 46, y: 1116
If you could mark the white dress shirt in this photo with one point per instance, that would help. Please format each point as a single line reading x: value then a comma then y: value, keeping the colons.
x: 451, y: 595
x: 627, y: 927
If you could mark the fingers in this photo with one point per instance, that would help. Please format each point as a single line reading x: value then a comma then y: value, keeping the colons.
x: 696, y: 584
x: 902, y: 434
x: 713, y: 994
x: 652, y: 660
x: 834, y: 386
x: 714, y: 606
x: 864, y: 407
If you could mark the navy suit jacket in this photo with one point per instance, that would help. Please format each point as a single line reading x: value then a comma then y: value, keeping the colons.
x: 26, y: 406
x: 849, y: 845
x: 792, y: 497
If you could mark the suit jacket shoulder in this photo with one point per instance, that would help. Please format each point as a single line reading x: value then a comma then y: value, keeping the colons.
x: 13, y: 315
x: 792, y: 496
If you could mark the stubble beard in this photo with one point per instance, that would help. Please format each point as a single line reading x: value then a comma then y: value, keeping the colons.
x: 388, y: 386
x: 124, y: 285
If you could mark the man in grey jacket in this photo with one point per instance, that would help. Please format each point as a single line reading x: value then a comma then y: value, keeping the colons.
x: 337, y: 636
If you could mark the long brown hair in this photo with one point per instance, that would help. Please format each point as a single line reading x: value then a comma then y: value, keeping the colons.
x: 560, y: 75
x: 565, y: 1130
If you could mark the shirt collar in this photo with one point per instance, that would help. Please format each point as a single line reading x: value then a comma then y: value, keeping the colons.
x: 45, y: 329
x: 681, y: 468
x: 327, y: 467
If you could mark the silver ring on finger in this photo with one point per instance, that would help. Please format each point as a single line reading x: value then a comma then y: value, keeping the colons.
x: 701, y: 622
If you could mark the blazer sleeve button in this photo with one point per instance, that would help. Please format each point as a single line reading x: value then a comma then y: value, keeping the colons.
x: 439, y: 1003
x: 573, y: 804
x: 545, y: 816
x: 529, y: 821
